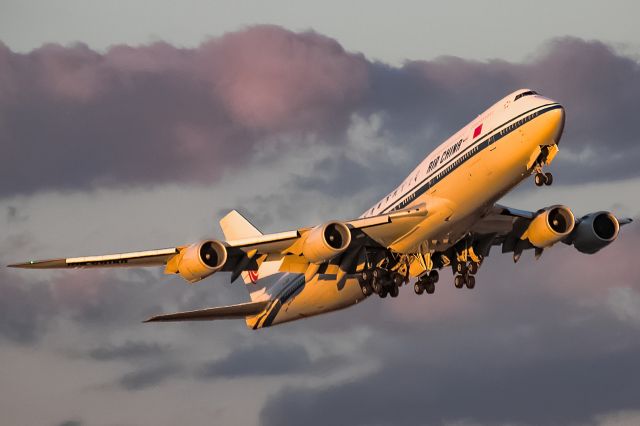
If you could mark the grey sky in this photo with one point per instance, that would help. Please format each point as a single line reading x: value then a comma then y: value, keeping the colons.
x: 391, y: 31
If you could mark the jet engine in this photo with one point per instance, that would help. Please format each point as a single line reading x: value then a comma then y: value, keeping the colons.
x: 550, y: 226
x: 325, y: 242
x: 595, y: 231
x: 202, y: 259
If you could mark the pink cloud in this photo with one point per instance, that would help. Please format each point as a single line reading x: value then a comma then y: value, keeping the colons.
x: 158, y: 113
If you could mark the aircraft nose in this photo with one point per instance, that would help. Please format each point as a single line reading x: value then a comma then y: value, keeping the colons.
x: 557, y: 121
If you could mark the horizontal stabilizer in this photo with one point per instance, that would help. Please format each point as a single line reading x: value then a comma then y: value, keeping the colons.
x: 240, y: 311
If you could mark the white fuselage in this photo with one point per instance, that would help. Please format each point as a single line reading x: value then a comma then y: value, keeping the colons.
x: 457, y: 183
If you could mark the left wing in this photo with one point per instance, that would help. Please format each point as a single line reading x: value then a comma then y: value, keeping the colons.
x: 138, y: 258
x: 297, y: 248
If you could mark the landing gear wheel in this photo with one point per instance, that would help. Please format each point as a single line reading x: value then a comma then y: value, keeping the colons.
x: 398, y: 280
x: 377, y: 274
x: 367, y: 290
x: 473, y: 268
x: 418, y: 288
x: 471, y: 281
x: 383, y: 293
x: 540, y: 179
x: 548, y: 179
x: 377, y: 287
x: 458, y: 281
x: 394, y: 291
x: 430, y: 287
x: 460, y: 267
x: 366, y: 276
x: 434, y: 276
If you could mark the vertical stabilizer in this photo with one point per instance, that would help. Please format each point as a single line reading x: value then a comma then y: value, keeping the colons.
x: 234, y: 227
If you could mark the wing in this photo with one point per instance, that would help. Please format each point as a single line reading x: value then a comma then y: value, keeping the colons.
x: 512, y: 229
x: 249, y: 247
x: 139, y: 258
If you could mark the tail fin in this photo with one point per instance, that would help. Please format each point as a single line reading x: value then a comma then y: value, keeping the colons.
x: 235, y: 226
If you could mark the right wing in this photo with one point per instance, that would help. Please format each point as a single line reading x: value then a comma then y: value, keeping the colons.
x: 508, y: 227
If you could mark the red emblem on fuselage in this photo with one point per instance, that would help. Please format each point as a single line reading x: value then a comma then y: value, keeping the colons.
x: 253, y: 276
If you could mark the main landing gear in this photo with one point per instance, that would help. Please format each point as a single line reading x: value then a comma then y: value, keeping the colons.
x: 465, y: 275
x: 427, y: 282
x: 381, y: 282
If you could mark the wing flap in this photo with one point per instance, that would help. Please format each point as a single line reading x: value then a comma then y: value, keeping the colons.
x: 242, y: 310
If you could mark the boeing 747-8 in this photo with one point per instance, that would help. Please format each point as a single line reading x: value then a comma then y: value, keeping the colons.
x: 443, y: 215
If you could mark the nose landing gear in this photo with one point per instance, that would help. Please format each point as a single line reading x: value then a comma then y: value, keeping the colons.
x: 543, y: 179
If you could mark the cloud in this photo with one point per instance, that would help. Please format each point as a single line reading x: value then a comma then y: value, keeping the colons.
x: 625, y: 303
x: 556, y: 364
x: 259, y: 360
x: 128, y: 350
x: 559, y: 332
x: 27, y: 309
x: 156, y: 114
x: 622, y: 418
x: 146, y: 377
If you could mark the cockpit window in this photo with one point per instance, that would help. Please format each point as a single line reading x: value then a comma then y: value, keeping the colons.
x: 530, y: 92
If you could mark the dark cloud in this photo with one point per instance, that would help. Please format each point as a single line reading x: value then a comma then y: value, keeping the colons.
x: 424, y: 102
x: 158, y: 114
x: 146, y: 377
x: 155, y: 114
x: 27, y: 309
x: 514, y: 353
x: 71, y: 423
x: 127, y: 351
x: 340, y: 176
x: 408, y: 390
x: 259, y: 360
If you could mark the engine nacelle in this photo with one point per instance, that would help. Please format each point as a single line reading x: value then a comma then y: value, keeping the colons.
x: 550, y: 226
x: 202, y: 259
x: 595, y: 231
x: 325, y: 242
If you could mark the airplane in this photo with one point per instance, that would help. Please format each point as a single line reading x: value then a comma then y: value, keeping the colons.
x: 443, y: 215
